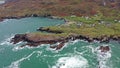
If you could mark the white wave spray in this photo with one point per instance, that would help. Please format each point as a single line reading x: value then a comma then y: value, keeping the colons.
x: 7, y: 41
x: 103, y: 58
x: 71, y: 62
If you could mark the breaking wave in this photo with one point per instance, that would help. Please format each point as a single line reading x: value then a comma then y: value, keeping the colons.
x: 71, y: 62
x: 103, y: 58
x: 17, y: 48
x: 7, y: 41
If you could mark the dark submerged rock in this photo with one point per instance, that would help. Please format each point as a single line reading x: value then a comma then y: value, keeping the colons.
x: 60, y: 45
x: 104, y: 48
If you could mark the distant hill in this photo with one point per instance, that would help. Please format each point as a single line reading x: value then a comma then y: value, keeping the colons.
x: 15, y: 8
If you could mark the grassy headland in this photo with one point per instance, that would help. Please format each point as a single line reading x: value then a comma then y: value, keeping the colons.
x: 89, y: 18
x: 91, y: 27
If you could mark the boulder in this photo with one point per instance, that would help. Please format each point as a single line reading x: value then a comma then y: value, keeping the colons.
x: 18, y: 37
x: 104, y: 48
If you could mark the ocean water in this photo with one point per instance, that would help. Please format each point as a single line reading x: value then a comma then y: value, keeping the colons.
x: 75, y: 54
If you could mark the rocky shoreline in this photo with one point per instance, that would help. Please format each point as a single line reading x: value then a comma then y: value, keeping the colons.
x: 103, y: 38
x: 32, y: 15
x: 33, y: 42
x: 36, y: 40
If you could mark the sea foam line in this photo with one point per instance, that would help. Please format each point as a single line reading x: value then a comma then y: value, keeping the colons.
x: 16, y: 64
x: 17, y: 48
x: 7, y: 41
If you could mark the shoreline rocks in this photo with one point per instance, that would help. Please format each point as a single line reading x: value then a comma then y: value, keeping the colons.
x: 33, y: 40
x: 32, y: 15
x: 104, y: 48
x: 42, y: 29
x: 36, y: 40
x: 102, y: 39
x: 103, y: 54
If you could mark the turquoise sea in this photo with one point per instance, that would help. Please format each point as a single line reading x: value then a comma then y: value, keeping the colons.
x: 75, y: 54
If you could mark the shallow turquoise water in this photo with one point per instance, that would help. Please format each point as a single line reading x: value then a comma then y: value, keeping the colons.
x: 75, y: 54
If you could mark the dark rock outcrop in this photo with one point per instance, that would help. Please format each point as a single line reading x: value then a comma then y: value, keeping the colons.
x: 35, y: 40
x: 104, y: 48
x: 59, y: 46
x: 48, y: 30
x: 19, y: 17
x: 18, y: 37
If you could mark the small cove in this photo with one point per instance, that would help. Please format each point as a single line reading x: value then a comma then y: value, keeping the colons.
x: 43, y: 57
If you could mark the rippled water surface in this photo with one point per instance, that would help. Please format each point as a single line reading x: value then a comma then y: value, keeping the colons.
x: 75, y: 54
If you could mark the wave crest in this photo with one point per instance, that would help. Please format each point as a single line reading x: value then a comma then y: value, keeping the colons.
x: 71, y: 62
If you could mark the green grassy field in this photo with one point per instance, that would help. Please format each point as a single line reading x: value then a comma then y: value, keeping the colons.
x: 88, y: 27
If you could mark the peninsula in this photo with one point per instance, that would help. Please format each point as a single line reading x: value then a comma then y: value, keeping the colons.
x: 89, y: 20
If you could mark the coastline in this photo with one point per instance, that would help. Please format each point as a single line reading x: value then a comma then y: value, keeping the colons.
x: 34, y: 39
x: 60, y: 33
x: 62, y: 40
x: 32, y: 15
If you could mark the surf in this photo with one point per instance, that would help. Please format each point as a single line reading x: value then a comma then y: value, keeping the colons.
x: 103, y: 56
x: 71, y: 62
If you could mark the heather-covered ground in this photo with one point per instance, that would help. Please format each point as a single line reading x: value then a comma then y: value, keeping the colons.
x: 19, y: 8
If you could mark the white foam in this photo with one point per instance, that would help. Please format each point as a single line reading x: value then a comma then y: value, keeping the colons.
x: 16, y: 64
x: 71, y: 62
x: 17, y: 48
x: 65, y: 46
x: 7, y: 41
x: 75, y: 41
x: 79, y: 53
x: 103, y: 58
x: 92, y: 48
x: 39, y: 53
x: 53, y: 50
x: 5, y: 21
